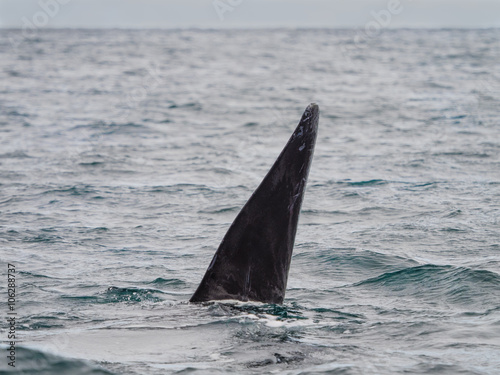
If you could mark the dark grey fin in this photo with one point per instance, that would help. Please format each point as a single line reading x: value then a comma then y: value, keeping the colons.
x: 253, y: 259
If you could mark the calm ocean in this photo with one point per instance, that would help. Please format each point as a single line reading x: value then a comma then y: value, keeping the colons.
x: 126, y: 154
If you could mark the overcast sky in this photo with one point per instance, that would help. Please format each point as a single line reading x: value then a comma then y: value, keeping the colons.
x: 248, y: 13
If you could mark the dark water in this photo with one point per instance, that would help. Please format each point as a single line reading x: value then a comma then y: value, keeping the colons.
x: 125, y: 155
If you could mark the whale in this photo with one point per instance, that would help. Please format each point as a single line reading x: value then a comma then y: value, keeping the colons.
x: 253, y: 260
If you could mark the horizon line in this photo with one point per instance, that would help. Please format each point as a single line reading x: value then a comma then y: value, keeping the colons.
x: 251, y: 28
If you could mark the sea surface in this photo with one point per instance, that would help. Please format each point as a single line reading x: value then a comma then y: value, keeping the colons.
x: 126, y: 154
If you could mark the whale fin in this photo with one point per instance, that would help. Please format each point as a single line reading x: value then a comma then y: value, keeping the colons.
x: 253, y: 259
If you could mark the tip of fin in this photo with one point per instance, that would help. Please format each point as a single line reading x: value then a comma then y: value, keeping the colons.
x: 311, y: 115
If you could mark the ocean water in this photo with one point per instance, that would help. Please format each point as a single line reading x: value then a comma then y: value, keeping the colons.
x: 125, y: 155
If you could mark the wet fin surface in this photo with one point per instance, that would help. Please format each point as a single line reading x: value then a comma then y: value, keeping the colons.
x: 253, y: 259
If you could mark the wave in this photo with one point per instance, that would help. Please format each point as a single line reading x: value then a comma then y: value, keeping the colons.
x: 196, y: 106
x: 281, y: 312
x: 114, y: 294
x: 27, y: 274
x: 170, y: 282
x: 31, y: 361
x: 352, y: 261
x: 452, y: 284
x: 77, y: 190
x: 15, y: 155
x: 405, y: 185
x: 220, y: 210
x: 374, y: 182
x: 42, y: 237
x: 45, y: 320
x: 112, y: 128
